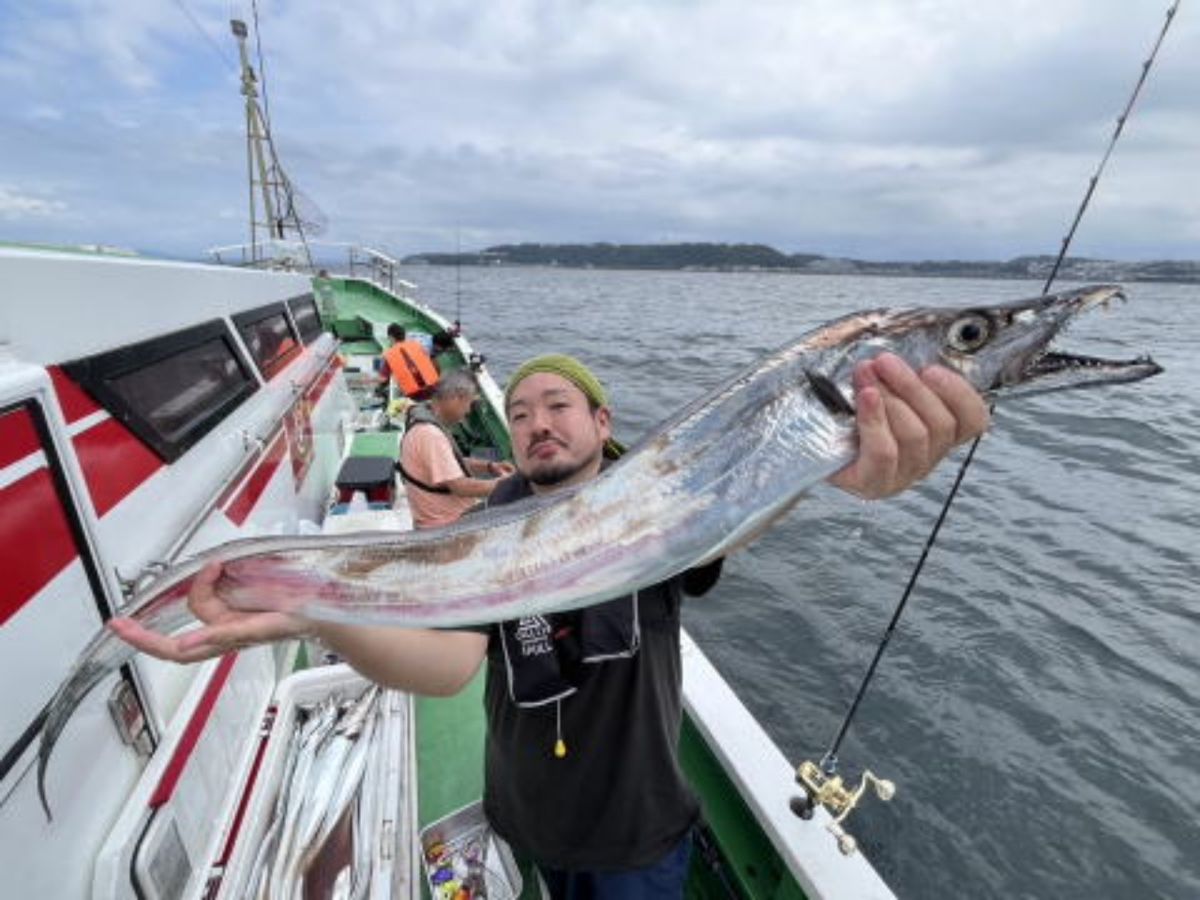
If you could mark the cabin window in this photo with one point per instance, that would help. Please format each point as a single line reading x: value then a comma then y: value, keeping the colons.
x: 269, y: 337
x: 306, y: 317
x: 172, y: 390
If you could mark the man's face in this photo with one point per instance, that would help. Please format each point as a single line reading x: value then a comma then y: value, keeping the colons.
x: 557, y: 438
x: 456, y: 408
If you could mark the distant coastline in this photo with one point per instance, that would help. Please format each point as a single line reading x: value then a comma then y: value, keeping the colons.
x: 704, y: 257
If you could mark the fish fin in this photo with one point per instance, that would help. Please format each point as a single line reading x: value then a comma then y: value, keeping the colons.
x: 829, y: 394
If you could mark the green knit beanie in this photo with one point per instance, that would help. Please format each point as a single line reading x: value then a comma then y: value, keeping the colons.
x: 559, y: 364
x: 575, y: 372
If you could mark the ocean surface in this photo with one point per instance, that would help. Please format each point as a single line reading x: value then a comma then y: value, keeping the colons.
x: 1039, y: 705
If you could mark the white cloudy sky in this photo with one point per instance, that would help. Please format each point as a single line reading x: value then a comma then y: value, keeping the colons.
x: 882, y: 129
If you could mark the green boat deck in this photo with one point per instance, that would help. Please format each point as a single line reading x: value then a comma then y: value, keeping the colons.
x: 450, y: 735
x: 358, y: 312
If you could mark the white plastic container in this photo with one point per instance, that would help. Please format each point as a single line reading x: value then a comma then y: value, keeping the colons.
x: 201, y: 841
x: 396, y: 873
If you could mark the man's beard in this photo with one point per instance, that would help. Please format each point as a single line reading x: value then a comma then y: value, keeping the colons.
x: 550, y: 476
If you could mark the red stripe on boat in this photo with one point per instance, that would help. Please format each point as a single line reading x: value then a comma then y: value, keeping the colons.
x: 115, y: 463
x: 18, y: 437
x: 319, y: 384
x: 76, y: 403
x: 35, y: 540
x: 244, y: 802
x: 239, y: 510
x: 191, y: 734
x: 236, y: 481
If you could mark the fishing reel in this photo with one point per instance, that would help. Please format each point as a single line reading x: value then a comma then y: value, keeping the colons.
x: 825, y: 788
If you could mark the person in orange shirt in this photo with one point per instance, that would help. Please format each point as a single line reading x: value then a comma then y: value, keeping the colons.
x: 409, y: 365
x: 440, y: 482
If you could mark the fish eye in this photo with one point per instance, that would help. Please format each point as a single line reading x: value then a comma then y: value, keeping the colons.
x: 968, y: 333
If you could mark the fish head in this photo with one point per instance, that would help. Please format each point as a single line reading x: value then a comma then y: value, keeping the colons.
x: 1001, y: 349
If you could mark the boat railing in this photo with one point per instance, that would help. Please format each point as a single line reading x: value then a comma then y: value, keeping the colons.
x: 317, y: 257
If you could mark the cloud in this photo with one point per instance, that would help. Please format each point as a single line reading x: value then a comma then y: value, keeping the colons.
x: 877, y: 129
x: 16, y: 206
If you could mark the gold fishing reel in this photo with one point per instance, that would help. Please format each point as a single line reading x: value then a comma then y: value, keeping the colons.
x: 825, y: 788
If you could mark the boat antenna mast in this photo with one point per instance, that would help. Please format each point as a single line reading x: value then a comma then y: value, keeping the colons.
x: 274, y: 201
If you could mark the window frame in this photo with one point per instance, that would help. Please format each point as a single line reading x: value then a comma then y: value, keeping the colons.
x: 309, y: 299
x: 94, y: 373
x: 248, y: 318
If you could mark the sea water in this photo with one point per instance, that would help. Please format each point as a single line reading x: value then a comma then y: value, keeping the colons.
x: 1039, y: 706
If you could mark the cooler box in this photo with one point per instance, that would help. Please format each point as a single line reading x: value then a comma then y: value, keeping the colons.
x: 373, y: 475
x: 396, y: 873
x: 193, y: 826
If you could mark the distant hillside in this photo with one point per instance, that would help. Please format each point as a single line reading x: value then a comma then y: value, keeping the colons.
x: 761, y: 258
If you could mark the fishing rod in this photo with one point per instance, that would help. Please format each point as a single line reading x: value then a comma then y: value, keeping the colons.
x: 458, y: 278
x: 823, y: 785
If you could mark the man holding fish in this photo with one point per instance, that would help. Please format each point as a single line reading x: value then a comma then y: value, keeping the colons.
x: 584, y: 707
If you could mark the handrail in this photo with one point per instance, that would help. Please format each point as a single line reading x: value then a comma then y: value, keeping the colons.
x: 352, y: 260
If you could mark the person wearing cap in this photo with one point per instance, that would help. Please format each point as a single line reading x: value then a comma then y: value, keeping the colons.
x: 439, y: 481
x: 582, y: 774
x: 584, y: 708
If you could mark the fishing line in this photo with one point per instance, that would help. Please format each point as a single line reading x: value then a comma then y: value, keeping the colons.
x: 458, y: 277
x: 829, y: 760
x: 204, y: 33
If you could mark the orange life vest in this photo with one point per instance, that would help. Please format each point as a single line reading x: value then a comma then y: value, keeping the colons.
x: 411, y: 366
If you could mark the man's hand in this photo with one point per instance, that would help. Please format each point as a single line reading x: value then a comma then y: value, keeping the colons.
x: 907, y: 423
x: 224, y: 628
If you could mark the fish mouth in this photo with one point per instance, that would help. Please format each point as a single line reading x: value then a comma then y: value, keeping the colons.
x: 1054, y: 364
x: 1045, y: 368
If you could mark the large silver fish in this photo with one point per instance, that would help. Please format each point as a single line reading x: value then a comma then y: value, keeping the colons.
x: 707, y: 481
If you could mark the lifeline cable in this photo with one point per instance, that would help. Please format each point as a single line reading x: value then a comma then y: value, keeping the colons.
x: 829, y: 760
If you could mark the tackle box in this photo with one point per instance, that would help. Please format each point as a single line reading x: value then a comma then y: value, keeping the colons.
x: 464, y: 858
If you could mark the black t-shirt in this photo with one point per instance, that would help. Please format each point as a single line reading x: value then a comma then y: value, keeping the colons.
x: 618, y: 798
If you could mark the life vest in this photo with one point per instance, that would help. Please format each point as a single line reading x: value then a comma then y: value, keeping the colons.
x: 423, y: 415
x: 411, y: 366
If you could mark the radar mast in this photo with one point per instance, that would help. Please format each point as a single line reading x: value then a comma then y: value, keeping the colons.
x: 277, y: 229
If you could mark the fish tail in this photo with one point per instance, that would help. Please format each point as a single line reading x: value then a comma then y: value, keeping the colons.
x: 106, y: 653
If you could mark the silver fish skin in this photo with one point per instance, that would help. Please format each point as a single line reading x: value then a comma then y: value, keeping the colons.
x: 312, y: 738
x: 707, y: 481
